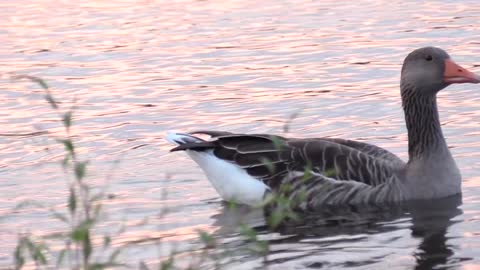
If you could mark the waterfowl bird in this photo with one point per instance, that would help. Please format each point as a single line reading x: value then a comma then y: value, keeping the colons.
x: 243, y: 168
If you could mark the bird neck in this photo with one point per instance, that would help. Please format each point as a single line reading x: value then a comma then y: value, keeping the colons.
x: 425, y: 137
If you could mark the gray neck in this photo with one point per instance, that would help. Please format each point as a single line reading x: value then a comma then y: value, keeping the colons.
x: 425, y: 137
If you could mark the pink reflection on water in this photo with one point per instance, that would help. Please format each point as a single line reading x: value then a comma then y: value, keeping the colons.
x: 140, y: 69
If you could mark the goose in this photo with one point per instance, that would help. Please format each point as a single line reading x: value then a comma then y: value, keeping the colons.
x: 243, y: 168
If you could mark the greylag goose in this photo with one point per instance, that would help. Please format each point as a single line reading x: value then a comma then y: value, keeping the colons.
x: 243, y: 168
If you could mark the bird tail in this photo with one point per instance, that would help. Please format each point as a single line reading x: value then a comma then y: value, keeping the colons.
x: 182, y: 138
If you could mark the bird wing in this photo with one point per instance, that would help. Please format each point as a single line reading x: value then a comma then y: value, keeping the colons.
x: 369, y: 149
x: 271, y: 158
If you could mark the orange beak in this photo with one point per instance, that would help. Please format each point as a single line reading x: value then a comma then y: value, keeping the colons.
x: 456, y: 74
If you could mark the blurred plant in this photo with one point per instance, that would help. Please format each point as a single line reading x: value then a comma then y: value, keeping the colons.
x: 84, y: 209
x: 84, y: 212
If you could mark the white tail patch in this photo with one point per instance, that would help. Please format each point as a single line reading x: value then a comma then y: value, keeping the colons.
x: 231, y: 182
x: 181, y: 138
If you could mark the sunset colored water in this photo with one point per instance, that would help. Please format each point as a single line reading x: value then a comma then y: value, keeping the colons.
x: 139, y: 69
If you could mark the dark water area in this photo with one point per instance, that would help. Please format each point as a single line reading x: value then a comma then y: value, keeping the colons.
x: 140, y: 69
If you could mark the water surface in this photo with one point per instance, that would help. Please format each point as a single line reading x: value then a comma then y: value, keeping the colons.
x: 142, y: 68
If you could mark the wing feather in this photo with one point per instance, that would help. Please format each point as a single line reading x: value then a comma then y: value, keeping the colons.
x: 271, y: 158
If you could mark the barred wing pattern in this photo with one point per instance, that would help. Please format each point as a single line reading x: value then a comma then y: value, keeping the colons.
x: 369, y: 149
x: 318, y: 190
x: 348, y: 170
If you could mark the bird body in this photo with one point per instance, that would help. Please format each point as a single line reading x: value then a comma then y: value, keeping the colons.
x: 244, y: 167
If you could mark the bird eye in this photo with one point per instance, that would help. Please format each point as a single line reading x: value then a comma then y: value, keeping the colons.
x: 428, y: 58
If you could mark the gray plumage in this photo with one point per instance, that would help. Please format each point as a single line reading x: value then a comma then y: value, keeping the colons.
x: 338, y: 171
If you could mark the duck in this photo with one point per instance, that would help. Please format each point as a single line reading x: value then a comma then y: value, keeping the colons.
x: 243, y: 168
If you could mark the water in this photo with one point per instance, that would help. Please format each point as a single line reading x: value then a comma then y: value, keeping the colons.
x: 140, y: 69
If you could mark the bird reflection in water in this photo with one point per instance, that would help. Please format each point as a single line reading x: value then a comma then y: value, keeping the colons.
x: 428, y: 221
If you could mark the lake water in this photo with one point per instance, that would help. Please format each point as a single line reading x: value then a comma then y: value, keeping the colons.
x: 138, y: 69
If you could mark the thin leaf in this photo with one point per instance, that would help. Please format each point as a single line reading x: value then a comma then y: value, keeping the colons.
x: 330, y: 172
x: 114, y: 256
x: 67, y: 120
x: 36, y: 251
x: 96, y: 211
x: 28, y: 203
x: 18, y: 255
x: 42, y: 83
x: 207, y: 239
x: 34, y: 79
x: 262, y: 247
x: 65, y: 161
x: 72, y: 201
x: 56, y: 235
x: 268, y: 163
x: 80, y: 232
x: 248, y: 232
x: 80, y: 170
x: 97, y: 197
x: 275, y: 219
x: 307, y: 172
x: 29, y: 245
x: 232, y: 205
x: 168, y: 264
x: 106, y: 241
x: 60, y: 258
x: 59, y: 216
x: 87, y: 246
x: 100, y: 266
x: 51, y: 101
x: 68, y: 146
x: 293, y: 116
x: 277, y: 143
x: 39, y: 255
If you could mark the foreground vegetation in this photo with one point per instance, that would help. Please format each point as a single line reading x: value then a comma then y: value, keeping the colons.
x: 84, y: 213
